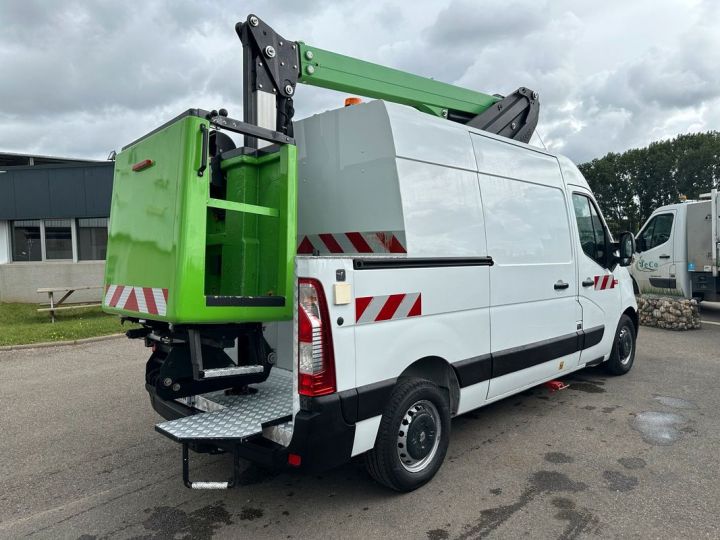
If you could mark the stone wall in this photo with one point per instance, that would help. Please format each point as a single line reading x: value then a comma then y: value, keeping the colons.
x: 672, y: 313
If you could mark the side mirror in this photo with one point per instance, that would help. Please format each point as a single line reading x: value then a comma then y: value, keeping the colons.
x: 626, y: 248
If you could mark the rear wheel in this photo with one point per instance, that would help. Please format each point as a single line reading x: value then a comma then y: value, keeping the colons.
x: 623, y: 351
x: 413, y: 436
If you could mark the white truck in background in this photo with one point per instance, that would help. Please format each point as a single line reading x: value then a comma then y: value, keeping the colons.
x: 677, y: 250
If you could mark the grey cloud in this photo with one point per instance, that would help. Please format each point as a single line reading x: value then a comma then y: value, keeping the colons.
x: 86, y: 77
x: 467, y: 23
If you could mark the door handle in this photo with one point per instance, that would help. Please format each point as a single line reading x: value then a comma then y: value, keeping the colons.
x: 664, y: 256
x: 589, y: 282
x: 560, y: 285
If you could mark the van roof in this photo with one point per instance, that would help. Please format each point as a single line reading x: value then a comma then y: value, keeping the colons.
x: 404, y: 115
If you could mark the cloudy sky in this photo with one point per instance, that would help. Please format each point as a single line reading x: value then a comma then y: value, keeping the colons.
x: 84, y: 78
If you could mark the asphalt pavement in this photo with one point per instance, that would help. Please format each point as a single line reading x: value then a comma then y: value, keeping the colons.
x: 609, y: 457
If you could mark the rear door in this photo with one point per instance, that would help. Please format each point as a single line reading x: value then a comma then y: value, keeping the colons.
x: 598, y: 291
x: 654, y: 268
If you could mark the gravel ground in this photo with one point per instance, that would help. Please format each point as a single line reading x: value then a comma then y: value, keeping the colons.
x: 632, y: 457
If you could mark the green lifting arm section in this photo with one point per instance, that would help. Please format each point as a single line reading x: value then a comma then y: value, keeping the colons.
x: 273, y: 66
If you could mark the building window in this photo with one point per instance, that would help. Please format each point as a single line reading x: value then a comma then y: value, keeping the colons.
x: 26, y: 240
x: 92, y: 239
x: 83, y: 239
x: 58, y: 239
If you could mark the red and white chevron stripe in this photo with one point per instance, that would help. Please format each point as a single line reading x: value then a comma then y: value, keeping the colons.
x: 353, y: 242
x: 150, y: 300
x: 607, y: 281
x: 369, y: 309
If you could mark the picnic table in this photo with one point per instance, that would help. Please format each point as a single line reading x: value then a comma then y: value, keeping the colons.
x: 57, y: 306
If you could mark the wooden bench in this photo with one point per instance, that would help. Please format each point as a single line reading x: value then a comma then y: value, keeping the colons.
x: 57, y: 306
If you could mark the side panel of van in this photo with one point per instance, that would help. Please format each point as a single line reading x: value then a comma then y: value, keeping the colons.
x: 533, y: 282
x: 430, y: 310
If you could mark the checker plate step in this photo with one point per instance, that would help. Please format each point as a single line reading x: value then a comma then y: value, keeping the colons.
x: 237, y: 417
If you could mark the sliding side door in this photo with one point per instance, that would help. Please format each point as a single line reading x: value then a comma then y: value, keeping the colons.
x: 533, y: 283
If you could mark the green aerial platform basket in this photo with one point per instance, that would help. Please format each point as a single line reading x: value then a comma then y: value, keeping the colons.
x: 202, y: 236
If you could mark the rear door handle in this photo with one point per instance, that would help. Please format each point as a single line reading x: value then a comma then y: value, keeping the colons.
x: 561, y: 285
x: 664, y: 256
x: 204, y: 150
x: 589, y: 282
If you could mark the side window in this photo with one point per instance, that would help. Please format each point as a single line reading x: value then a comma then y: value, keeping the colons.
x: 644, y: 239
x: 662, y: 230
x: 525, y: 223
x: 593, y: 237
x: 656, y: 232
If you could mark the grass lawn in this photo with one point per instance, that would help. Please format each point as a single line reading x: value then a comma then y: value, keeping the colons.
x: 21, y: 323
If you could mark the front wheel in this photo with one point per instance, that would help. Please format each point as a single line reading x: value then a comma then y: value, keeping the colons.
x: 623, y: 351
x: 413, y: 436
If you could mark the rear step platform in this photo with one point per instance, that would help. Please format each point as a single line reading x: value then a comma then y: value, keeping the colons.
x: 236, y: 417
x: 232, y: 419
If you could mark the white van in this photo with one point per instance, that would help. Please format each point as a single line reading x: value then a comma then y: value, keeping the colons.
x: 440, y: 269
x: 677, y: 250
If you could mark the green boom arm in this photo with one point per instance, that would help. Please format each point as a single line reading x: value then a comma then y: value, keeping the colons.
x: 273, y: 65
x: 335, y: 71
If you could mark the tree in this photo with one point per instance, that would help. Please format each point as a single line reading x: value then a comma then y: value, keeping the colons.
x: 630, y: 185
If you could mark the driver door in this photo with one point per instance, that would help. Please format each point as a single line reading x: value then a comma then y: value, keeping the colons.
x: 598, y: 293
x: 654, y: 268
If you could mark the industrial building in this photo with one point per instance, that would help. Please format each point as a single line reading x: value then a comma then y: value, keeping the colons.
x: 53, y: 224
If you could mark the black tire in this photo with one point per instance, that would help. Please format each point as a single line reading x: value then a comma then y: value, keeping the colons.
x: 621, y: 361
x: 418, y: 403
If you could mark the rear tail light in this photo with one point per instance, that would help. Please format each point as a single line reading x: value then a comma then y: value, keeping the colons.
x: 316, y: 363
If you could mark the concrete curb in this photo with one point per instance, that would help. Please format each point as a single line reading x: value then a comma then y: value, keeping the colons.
x: 47, y: 344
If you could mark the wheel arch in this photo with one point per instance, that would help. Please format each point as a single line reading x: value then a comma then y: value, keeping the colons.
x: 439, y: 371
x: 634, y: 317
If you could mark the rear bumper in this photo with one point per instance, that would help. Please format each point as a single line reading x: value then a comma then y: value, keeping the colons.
x: 321, y: 436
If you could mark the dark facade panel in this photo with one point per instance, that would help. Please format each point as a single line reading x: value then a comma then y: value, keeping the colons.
x: 64, y: 191
x: 98, y: 182
x: 67, y: 193
x: 32, y: 196
x: 7, y: 195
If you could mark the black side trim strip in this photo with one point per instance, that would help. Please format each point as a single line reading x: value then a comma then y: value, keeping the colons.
x: 473, y: 370
x: 518, y: 358
x: 596, y: 362
x: 485, y: 367
x: 371, y: 398
x: 593, y: 336
x: 349, y: 405
x: 245, y: 301
x: 417, y: 262
x: 663, y: 283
